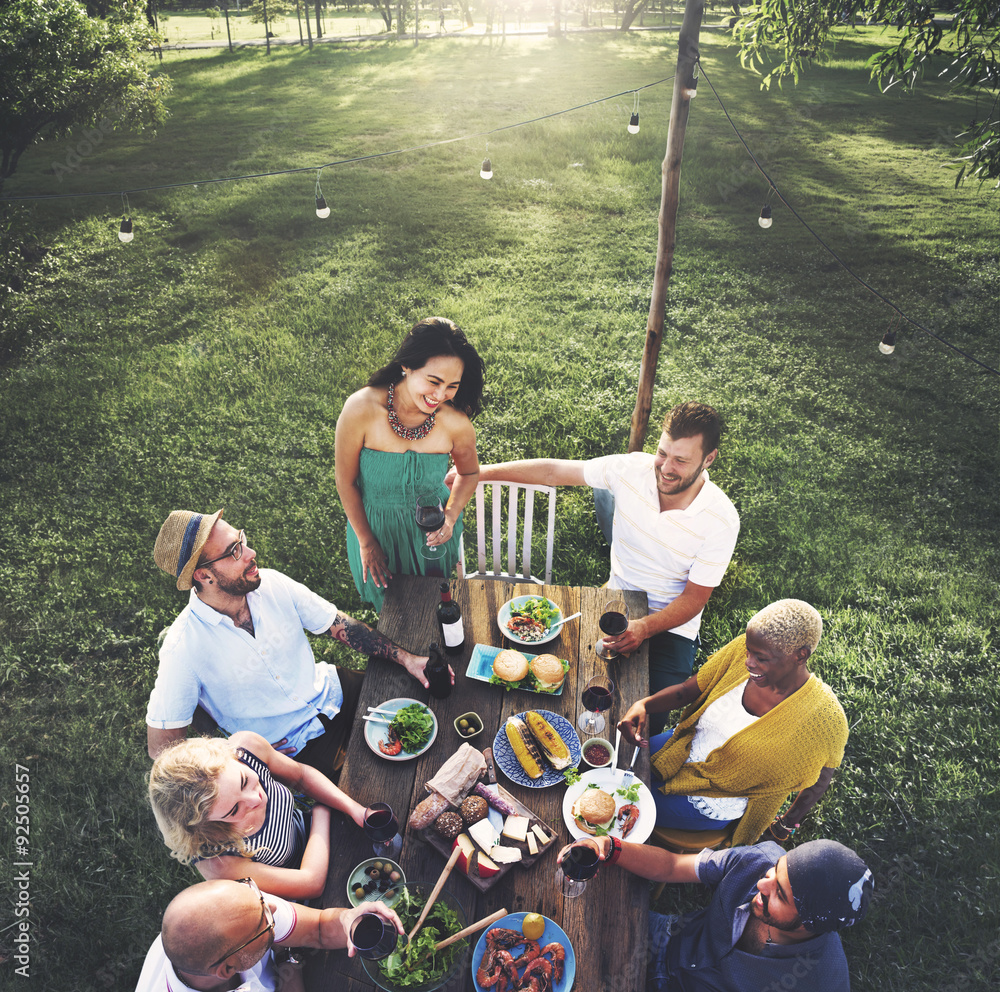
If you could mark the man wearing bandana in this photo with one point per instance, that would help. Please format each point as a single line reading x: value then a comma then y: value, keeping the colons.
x: 772, y: 921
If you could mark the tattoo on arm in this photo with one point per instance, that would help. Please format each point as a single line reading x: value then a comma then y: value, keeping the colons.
x: 361, y: 637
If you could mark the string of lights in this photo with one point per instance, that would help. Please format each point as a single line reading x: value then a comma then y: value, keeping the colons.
x: 344, y: 161
x: 888, y: 342
x: 765, y: 220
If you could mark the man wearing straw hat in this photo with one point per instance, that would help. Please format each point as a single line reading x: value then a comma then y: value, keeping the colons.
x: 238, y: 650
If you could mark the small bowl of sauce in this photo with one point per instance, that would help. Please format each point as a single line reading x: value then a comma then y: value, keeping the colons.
x: 597, y: 752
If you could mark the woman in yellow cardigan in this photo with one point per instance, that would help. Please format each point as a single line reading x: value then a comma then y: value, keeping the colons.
x: 758, y: 726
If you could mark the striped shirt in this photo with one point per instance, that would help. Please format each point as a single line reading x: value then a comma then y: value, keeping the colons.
x: 659, y: 552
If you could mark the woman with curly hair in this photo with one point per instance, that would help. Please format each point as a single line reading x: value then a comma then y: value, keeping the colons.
x: 395, y: 439
x: 225, y: 806
x: 757, y: 727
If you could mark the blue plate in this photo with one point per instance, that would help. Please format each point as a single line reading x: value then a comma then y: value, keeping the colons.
x: 507, y: 761
x: 552, y: 932
x: 481, y: 667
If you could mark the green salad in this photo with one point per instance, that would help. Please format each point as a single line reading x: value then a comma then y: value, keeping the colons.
x: 407, y: 966
x: 413, y: 725
x: 539, y: 609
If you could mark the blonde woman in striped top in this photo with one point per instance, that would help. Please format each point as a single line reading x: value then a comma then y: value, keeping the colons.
x: 227, y: 807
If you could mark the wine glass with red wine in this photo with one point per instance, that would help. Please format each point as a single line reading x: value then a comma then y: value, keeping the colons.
x: 597, y: 698
x: 579, y: 864
x: 430, y: 517
x: 382, y: 827
x: 614, y: 621
x: 373, y: 937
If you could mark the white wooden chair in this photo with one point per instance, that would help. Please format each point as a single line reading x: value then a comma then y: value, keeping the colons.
x: 496, y: 531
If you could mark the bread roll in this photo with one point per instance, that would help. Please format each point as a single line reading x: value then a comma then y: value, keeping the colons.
x: 511, y: 666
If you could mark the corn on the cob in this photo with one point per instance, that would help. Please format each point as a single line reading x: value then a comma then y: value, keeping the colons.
x: 553, y: 746
x: 525, y: 749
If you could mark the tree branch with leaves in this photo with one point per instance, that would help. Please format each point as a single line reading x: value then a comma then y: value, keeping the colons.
x: 779, y: 38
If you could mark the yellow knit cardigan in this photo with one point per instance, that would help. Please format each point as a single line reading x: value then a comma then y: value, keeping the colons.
x: 782, y: 752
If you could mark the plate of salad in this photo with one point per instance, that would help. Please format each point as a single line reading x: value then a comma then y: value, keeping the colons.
x: 409, y: 967
x: 404, y: 736
x: 529, y: 620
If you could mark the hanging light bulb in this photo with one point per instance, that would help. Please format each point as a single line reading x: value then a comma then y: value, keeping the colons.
x: 888, y: 343
x: 765, y: 216
x: 322, y: 210
x: 633, y: 124
x: 125, y: 234
x: 486, y: 172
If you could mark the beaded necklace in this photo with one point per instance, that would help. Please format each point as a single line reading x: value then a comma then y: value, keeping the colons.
x: 409, y: 433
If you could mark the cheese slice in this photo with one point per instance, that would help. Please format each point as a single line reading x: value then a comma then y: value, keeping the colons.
x: 516, y: 827
x: 532, y: 843
x: 543, y: 837
x: 505, y: 855
x: 483, y: 834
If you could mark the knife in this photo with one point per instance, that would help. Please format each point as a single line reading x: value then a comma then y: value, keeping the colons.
x: 496, y: 817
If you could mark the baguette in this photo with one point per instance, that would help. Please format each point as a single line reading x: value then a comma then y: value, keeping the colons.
x: 427, y: 811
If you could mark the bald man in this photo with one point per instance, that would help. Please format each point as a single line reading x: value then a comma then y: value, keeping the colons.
x: 218, y: 935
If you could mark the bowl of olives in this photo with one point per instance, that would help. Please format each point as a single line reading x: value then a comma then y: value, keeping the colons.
x: 468, y: 725
x: 375, y: 880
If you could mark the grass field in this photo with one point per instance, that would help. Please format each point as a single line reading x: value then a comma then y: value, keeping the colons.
x: 204, y: 365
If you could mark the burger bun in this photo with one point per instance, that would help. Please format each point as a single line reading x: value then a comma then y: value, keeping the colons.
x: 594, y: 808
x: 548, y: 672
x: 511, y: 666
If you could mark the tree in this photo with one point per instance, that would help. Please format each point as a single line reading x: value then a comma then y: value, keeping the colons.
x: 631, y: 9
x: 962, y: 46
x: 61, y: 69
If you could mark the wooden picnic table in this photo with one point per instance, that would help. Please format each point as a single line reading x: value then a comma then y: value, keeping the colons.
x: 607, y: 924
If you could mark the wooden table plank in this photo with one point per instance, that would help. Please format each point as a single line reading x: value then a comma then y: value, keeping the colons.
x: 615, y: 903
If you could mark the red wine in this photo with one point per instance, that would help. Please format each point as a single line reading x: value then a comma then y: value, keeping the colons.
x: 381, y: 824
x: 430, y: 518
x: 613, y: 624
x: 597, y: 699
x: 436, y: 671
x: 373, y: 937
x: 580, y: 863
x: 449, y: 617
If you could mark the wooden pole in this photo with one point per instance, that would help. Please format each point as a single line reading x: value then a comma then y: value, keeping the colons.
x: 687, y: 57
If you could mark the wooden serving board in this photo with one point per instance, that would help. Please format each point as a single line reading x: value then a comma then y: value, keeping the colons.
x: 444, y: 846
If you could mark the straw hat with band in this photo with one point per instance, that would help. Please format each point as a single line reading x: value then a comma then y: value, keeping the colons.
x: 179, y: 543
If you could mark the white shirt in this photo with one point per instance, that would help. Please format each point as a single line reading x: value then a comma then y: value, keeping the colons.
x: 659, y: 552
x: 158, y: 973
x: 721, y: 719
x: 269, y: 683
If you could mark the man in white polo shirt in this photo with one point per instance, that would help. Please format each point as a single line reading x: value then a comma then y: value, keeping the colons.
x: 218, y: 936
x: 673, y: 534
x: 238, y: 650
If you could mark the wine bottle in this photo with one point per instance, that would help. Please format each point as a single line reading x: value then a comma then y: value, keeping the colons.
x: 449, y: 616
x: 436, y: 671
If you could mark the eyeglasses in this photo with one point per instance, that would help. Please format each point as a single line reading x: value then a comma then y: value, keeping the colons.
x: 235, y: 552
x: 266, y: 914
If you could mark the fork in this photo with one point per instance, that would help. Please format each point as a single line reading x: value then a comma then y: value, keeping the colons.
x: 628, y: 776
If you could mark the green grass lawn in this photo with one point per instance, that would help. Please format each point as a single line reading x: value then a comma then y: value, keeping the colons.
x: 204, y: 365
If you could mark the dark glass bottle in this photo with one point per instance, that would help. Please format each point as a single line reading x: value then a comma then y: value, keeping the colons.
x: 449, y: 618
x: 437, y: 673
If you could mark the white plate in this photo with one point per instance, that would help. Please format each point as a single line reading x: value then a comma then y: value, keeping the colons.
x: 375, y: 730
x: 504, y: 615
x: 609, y: 779
x: 507, y: 761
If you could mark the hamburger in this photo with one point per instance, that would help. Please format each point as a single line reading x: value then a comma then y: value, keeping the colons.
x: 511, y: 666
x: 548, y: 672
x: 594, y: 810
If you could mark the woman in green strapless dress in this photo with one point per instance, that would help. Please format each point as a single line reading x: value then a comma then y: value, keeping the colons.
x: 395, y: 440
